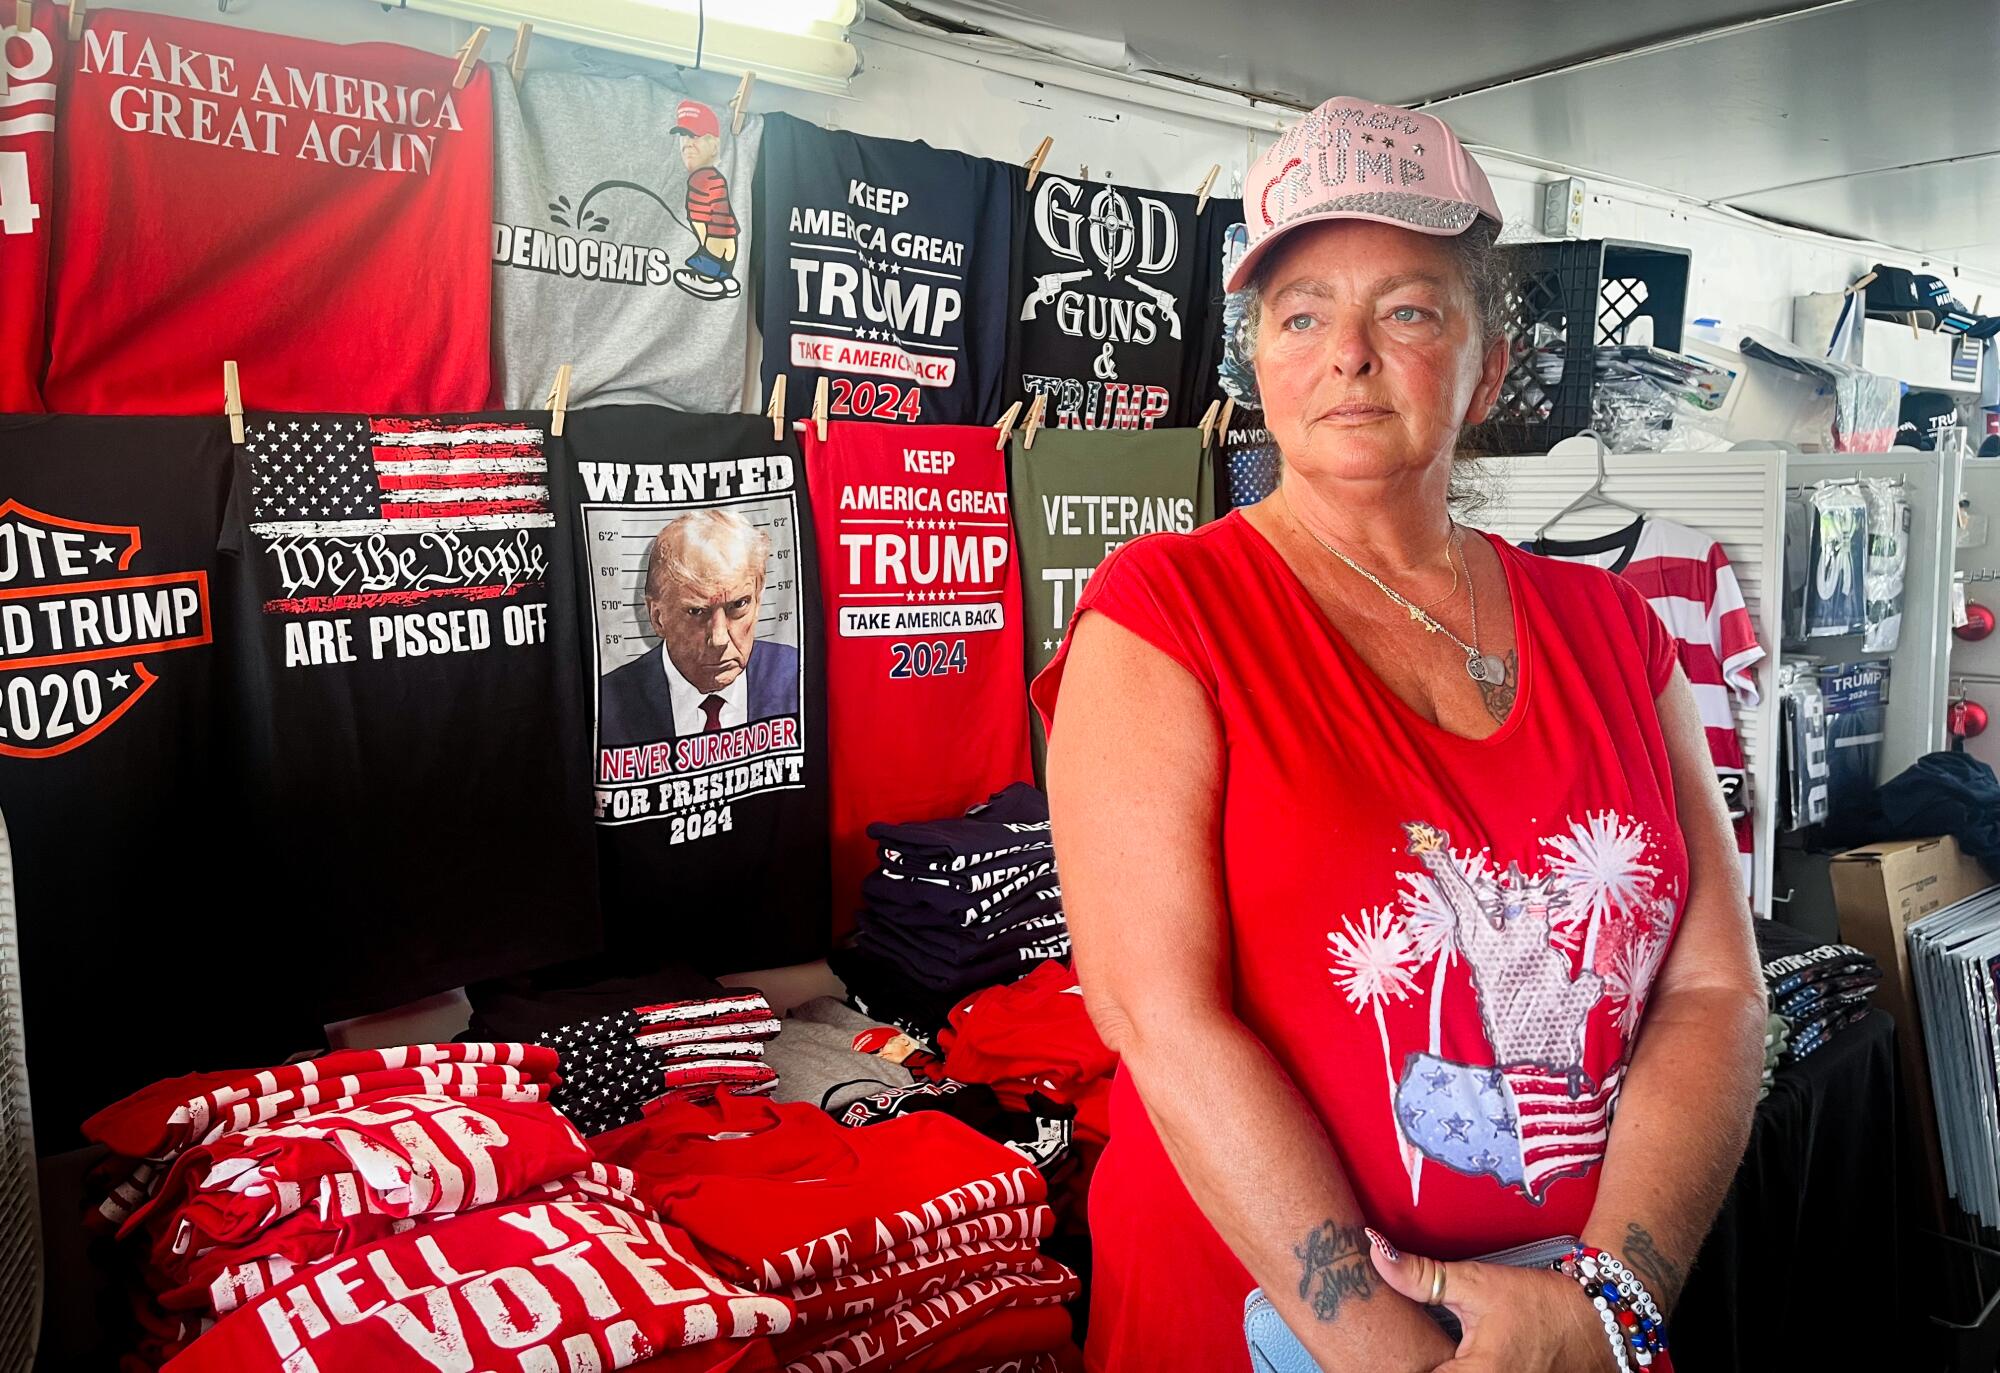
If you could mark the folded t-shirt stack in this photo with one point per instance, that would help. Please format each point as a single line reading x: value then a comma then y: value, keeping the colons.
x: 958, y: 904
x: 616, y: 1067
x: 1819, y: 989
x: 912, y: 1244
x: 217, y: 1172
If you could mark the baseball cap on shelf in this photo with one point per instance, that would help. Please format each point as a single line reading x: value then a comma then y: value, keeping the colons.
x: 695, y: 119
x: 1355, y: 159
x: 1926, y: 418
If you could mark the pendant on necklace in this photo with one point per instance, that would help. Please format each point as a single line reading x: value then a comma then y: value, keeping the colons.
x: 1484, y: 667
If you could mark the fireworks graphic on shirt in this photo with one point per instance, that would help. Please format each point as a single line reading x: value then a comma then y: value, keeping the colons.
x: 1543, y: 950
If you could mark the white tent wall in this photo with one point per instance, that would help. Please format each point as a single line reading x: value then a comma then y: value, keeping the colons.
x: 1746, y: 272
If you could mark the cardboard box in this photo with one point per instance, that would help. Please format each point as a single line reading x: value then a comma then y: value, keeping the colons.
x: 1879, y: 890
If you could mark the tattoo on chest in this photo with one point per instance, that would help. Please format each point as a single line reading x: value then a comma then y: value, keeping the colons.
x: 1334, y: 1268
x: 1661, y: 1274
x: 1499, y: 696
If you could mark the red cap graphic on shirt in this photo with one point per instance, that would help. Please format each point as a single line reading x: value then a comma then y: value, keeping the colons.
x: 695, y: 119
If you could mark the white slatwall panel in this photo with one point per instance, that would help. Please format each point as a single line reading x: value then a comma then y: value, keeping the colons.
x: 1737, y: 499
x: 20, y: 1198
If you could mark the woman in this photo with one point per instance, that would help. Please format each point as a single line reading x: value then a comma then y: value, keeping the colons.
x: 1409, y: 866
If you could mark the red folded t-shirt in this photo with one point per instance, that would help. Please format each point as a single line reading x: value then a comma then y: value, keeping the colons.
x: 317, y: 212
x: 1034, y: 1032
x: 406, y: 1156
x: 582, y: 1281
x: 174, y: 1112
x: 780, y: 1194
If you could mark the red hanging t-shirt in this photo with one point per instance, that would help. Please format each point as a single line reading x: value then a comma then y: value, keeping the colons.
x: 1465, y: 1070
x: 317, y: 212
x: 33, y: 62
x: 922, y: 586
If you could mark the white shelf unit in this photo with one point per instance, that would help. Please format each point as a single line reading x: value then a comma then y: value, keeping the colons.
x: 1926, y: 361
x: 1737, y: 499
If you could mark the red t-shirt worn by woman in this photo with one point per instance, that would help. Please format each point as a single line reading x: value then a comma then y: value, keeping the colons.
x: 1446, y: 942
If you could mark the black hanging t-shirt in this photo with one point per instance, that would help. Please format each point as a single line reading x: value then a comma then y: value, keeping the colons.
x: 884, y: 268
x: 1110, y: 311
x: 143, y: 954
x: 708, y: 756
x: 412, y: 712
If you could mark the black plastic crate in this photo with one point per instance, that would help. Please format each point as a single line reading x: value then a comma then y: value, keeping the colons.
x: 1565, y: 299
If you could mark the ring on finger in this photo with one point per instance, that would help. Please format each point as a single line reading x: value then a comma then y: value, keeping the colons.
x: 1437, y: 1285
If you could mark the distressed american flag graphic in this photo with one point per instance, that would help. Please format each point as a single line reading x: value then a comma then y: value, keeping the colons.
x: 354, y: 477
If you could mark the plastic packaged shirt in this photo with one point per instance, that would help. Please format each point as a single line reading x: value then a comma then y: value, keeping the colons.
x: 1887, y: 557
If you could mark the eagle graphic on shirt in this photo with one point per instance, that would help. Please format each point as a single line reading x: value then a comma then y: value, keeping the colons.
x: 1542, y: 952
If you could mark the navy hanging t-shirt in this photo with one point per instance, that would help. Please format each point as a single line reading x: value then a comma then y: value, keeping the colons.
x: 415, y: 724
x: 706, y: 672
x: 885, y: 269
x: 145, y: 949
x: 1109, y: 316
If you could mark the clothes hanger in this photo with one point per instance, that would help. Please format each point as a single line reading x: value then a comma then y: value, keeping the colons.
x: 1593, y: 497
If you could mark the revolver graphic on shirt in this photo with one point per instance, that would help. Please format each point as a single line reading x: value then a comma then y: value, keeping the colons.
x: 1168, y: 305
x: 1047, y: 288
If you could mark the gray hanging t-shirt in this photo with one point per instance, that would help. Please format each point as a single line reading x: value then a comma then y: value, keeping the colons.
x: 621, y: 243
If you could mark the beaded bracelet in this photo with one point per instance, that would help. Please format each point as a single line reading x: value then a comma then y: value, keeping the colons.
x: 1632, y: 1321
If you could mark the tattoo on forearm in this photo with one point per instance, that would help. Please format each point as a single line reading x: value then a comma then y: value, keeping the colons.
x: 1499, y: 696
x: 1661, y: 1274
x: 1333, y: 1267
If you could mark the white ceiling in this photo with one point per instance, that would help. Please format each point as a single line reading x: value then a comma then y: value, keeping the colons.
x: 1875, y: 119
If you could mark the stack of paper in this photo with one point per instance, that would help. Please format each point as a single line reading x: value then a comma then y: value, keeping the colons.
x: 1955, y: 962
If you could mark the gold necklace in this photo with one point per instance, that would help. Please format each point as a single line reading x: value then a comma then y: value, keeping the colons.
x: 1480, y: 667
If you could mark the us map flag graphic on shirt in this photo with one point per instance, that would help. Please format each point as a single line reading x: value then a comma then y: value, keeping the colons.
x: 1560, y: 964
x: 31, y: 58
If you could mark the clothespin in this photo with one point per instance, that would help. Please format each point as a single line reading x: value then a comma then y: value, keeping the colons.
x: 775, y: 411
x: 1035, y: 162
x: 1860, y: 285
x: 1222, y: 424
x: 739, y: 100
x: 559, y: 400
x: 467, y: 56
x: 76, y: 17
x: 1208, y: 420
x: 819, y: 410
x: 1034, y: 419
x: 1006, y: 424
x: 24, y: 15
x: 517, y: 65
x: 1201, y: 196
x: 1915, y: 332
x: 232, y: 401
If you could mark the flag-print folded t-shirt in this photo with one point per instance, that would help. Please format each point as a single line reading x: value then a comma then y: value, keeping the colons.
x: 412, y: 718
